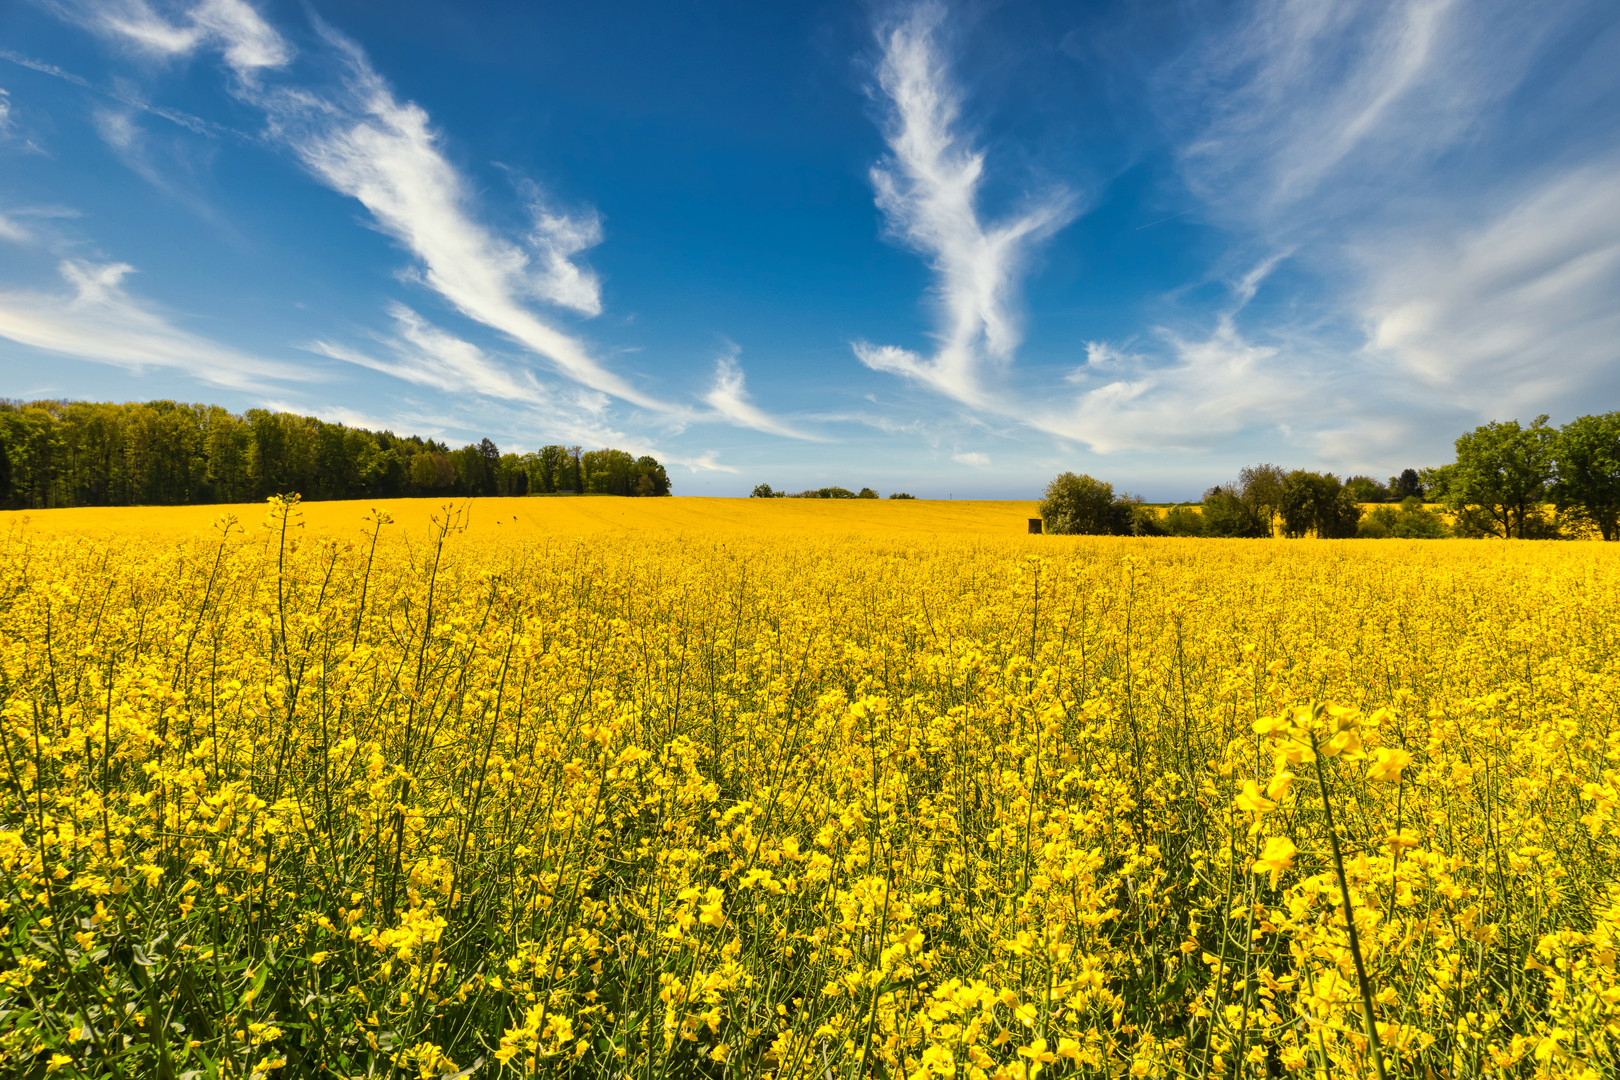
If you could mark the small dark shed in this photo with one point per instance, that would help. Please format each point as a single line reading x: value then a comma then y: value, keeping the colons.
x: 1035, y: 525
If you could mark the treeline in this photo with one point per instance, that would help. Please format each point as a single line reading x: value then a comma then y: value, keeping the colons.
x: 1510, y: 481
x: 765, y: 491
x: 83, y: 453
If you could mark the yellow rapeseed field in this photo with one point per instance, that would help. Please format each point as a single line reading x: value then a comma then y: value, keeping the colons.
x: 751, y: 789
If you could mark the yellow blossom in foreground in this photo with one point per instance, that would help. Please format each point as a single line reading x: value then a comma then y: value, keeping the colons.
x: 1278, y: 856
x: 1387, y: 764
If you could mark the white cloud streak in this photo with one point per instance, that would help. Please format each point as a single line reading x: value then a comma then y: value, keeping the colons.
x: 363, y: 142
x: 1517, y: 309
x: 729, y: 398
x: 120, y: 94
x: 366, y: 144
x: 12, y: 232
x: 1298, y: 91
x: 1315, y: 133
x: 234, y: 27
x: 426, y: 355
x: 1208, y: 389
x: 99, y: 320
x: 928, y: 189
x: 356, y: 137
x: 708, y: 461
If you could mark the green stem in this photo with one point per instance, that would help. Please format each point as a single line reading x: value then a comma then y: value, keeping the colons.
x: 1349, y: 913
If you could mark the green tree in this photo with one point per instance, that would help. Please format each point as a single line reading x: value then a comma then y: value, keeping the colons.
x: 824, y: 493
x: 572, y: 477
x: 1364, y: 489
x: 1406, y: 485
x: 228, y: 447
x: 648, y: 478
x: 1587, y: 491
x: 1261, y: 488
x: 1501, y: 476
x: 1318, y: 503
x: 490, y: 462
x: 1143, y: 520
x: 550, y: 472
x: 432, y: 472
x: 469, y: 466
x: 762, y: 491
x: 511, y: 477
x: 1227, y: 514
x: 1083, y: 505
x: 5, y: 472
x: 866, y: 493
x: 902, y: 495
x: 1409, y: 521
x: 608, y: 472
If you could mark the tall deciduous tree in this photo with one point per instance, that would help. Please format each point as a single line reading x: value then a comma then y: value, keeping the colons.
x: 1587, y: 491
x: 1317, y: 503
x: 1261, y: 488
x: 1405, y: 486
x: 1227, y: 514
x: 1501, y: 476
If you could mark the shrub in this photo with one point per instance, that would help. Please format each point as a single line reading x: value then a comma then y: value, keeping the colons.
x: 1378, y: 523
x: 824, y: 493
x: 1409, y: 521
x: 1084, y: 505
x: 1145, y: 520
x: 1417, y: 523
x: 1184, y: 521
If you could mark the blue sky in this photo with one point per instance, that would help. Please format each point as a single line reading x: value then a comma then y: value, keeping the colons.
x: 946, y: 248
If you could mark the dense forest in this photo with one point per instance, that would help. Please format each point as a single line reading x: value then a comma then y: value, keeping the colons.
x: 85, y: 453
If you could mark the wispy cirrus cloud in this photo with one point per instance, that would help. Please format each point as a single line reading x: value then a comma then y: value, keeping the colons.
x: 13, y: 231
x: 1206, y: 389
x: 1369, y: 146
x: 729, y: 398
x: 1518, y: 307
x: 708, y: 461
x: 421, y: 353
x: 363, y: 142
x: 1271, y: 109
x: 248, y: 43
x: 98, y: 319
x: 928, y: 189
x: 426, y: 355
x: 1193, y: 389
x: 1474, y: 248
x: 344, y: 123
x: 169, y: 166
x: 120, y: 93
x: 359, y: 139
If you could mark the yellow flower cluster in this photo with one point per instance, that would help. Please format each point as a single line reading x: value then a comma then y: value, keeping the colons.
x: 424, y: 803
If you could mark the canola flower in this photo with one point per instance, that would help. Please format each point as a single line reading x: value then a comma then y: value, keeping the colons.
x: 414, y: 803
